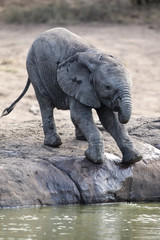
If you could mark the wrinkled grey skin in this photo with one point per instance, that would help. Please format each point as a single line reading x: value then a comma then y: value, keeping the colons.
x: 68, y: 73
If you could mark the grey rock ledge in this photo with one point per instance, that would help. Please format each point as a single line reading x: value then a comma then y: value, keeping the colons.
x: 73, y: 180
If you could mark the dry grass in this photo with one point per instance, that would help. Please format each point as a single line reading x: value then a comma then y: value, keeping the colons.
x: 69, y: 11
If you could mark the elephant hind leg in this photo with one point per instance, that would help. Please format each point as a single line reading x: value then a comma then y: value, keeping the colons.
x: 51, y: 139
x: 46, y: 106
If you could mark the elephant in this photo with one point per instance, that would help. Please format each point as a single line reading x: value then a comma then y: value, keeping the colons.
x: 67, y: 72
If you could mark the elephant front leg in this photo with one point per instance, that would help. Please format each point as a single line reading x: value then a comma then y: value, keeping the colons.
x: 118, y: 131
x: 78, y: 133
x: 82, y: 118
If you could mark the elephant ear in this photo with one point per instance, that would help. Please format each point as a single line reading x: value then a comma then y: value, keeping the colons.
x: 74, y: 78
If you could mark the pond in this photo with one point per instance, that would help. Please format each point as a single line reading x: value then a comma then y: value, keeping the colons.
x: 85, y: 222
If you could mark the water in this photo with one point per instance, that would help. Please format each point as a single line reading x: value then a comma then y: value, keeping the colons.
x: 112, y: 221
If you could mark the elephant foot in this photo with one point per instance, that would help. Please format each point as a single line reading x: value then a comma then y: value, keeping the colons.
x: 52, y: 140
x: 94, y: 155
x: 131, y: 157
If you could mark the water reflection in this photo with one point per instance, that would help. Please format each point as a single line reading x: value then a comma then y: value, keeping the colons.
x: 112, y: 221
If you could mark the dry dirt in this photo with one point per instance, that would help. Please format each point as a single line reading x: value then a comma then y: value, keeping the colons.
x: 137, y: 46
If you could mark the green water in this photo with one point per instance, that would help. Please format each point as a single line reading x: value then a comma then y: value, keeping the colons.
x: 112, y: 221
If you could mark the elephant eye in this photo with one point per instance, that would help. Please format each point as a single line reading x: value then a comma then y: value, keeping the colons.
x: 108, y: 87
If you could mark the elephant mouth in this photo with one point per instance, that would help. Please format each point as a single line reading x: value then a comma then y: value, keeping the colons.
x: 116, y: 104
x: 120, y: 104
x: 112, y: 104
x: 116, y: 109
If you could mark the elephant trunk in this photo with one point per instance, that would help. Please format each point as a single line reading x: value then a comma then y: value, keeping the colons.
x: 125, y: 106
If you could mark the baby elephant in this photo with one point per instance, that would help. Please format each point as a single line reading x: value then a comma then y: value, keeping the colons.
x: 68, y: 73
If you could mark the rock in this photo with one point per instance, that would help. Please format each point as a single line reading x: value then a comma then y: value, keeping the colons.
x: 70, y: 180
x: 112, y: 181
x: 146, y: 130
x: 25, y: 182
x: 32, y: 174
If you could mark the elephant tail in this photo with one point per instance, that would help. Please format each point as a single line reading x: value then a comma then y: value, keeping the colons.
x: 11, y: 107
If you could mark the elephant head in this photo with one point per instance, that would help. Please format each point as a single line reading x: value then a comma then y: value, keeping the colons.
x: 95, y: 79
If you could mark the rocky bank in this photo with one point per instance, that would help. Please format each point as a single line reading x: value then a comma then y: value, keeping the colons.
x: 33, y: 174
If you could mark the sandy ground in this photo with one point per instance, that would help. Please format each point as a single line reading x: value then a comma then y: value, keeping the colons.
x: 137, y: 46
